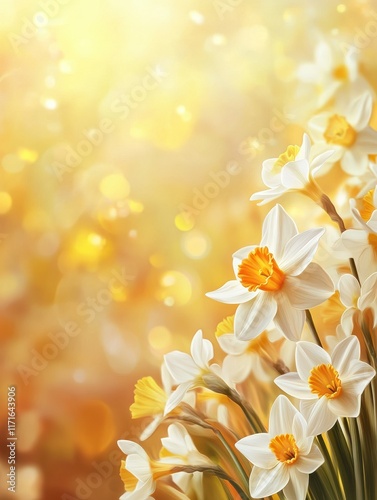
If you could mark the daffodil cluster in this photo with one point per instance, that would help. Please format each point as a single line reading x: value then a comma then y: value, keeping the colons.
x: 304, y: 326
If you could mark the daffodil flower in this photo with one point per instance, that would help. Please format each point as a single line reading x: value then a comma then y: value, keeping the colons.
x: 150, y: 400
x: 187, y: 371
x: 347, y: 132
x: 293, y: 170
x: 284, y: 456
x: 329, y: 387
x: 362, y: 241
x: 276, y: 280
x: 139, y: 472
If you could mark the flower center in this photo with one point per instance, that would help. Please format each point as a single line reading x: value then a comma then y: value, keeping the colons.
x: 289, y: 155
x: 324, y: 381
x: 340, y: 72
x: 368, y: 206
x: 150, y: 399
x: 285, y: 448
x: 260, y: 271
x: 339, y: 131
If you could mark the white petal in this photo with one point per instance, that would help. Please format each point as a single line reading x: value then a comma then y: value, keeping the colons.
x: 237, y: 368
x: 139, y: 467
x: 253, y: 317
x: 256, y: 450
x: 318, y: 415
x: 297, y: 487
x: 312, y: 287
x: 368, y: 292
x: 304, y: 152
x: 268, y: 195
x: 278, y: 229
x: 349, y: 289
x: 231, y: 345
x: 359, y: 111
x: 292, y: 384
x: 181, y: 367
x: 309, y: 355
x: 231, y: 293
x: 372, y: 222
x: 319, y: 160
x: 201, y: 350
x: 179, y: 441
x: 129, y: 447
x: 166, y: 379
x: 355, y: 238
x: 299, y: 431
x: 344, y: 353
x: 269, y: 177
x: 295, y: 174
x: 346, y: 405
x: 177, y: 396
x: 310, y: 462
x: 299, y: 251
x: 354, y: 162
x: 317, y: 126
x: 282, y: 414
x: 142, y: 491
x: 358, y: 377
x: 289, y: 319
x: 266, y: 482
x: 367, y: 141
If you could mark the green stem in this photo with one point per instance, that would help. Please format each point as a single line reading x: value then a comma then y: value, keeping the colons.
x: 357, y: 458
x: 309, y: 320
x: 343, y: 459
x: 328, y: 206
x: 333, y: 478
x: 213, y: 471
x: 237, y: 463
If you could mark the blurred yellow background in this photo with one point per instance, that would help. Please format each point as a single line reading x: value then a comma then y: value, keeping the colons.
x: 132, y: 136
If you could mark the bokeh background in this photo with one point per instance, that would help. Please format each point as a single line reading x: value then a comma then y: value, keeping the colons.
x: 132, y: 134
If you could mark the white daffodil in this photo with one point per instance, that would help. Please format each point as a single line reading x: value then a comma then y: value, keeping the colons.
x: 349, y: 293
x: 187, y: 371
x: 243, y: 357
x: 346, y: 130
x: 332, y: 72
x: 283, y: 457
x: 276, y: 280
x: 293, y: 170
x: 150, y: 400
x: 179, y: 449
x: 362, y: 241
x: 329, y: 387
x: 138, y: 472
x: 356, y: 298
x: 367, y: 215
